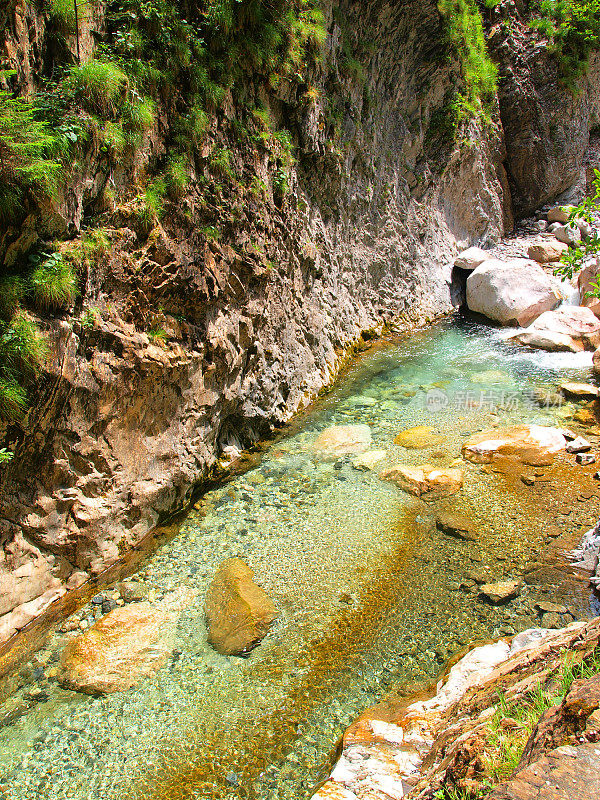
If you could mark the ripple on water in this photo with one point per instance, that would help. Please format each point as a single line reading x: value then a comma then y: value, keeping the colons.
x: 371, y: 595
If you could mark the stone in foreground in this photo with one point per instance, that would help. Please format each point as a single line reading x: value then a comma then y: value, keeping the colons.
x: 238, y: 611
x: 117, y: 652
x: 471, y: 258
x: 511, y: 292
x: 419, y: 437
x: 425, y: 481
x: 342, y: 440
x: 578, y: 445
x: 560, y: 214
x: 535, y: 445
x: 500, y: 592
x: 571, y: 328
x: 547, y: 251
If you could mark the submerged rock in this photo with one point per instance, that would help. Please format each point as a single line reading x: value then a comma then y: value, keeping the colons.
x: 572, y: 389
x: 458, y: 525
x: 121, y: 649
x: 342, y: 440
x: 511, y: 292
x: 238, y: 611
x: 419, y: 437
x: 529, y: 444
x: 425, y: 481
x: 571, y: 328
x: 369, y: 460
x: 500, y: 592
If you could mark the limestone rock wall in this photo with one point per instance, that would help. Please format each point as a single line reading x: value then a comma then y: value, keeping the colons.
x: 256, y: 323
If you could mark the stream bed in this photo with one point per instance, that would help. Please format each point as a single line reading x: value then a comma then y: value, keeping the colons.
x: 372, y: 597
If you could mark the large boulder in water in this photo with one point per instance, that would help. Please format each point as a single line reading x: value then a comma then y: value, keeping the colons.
x: 511, y: 292
x: 571, y: 328
x: 342, y: 440
x: 528, y: 444
x: 118, y: 651
x: 238, y: 611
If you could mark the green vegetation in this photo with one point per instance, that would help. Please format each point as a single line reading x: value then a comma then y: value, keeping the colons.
x: 53, y: 283
x: 5, y: 455
x: 574, y: 259
x: 465, y: 31
x: 573, y: 30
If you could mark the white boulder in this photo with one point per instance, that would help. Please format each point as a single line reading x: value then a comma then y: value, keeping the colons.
x: 511, y: 292
x: 568, y: 234
x: 471, y: 258
x: 572, y: 328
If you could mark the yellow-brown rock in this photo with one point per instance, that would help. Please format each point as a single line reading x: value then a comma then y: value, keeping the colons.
x: 238, y: 611
x: 425, y: 481
x: 418, y: 437
x: 118, y: 651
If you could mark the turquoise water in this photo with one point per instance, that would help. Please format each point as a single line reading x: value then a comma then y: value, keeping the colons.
x: 371, y: 596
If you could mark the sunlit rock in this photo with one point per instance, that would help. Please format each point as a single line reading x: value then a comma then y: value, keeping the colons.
x: 500, y: 592
x: 121, y: 649
x: 528, y: 444
x: 571, y: 328
x: 547, y: 250
x: 238, y: 611
x: 471, y: 258
x: 511, y: 292
x: 425, y: 481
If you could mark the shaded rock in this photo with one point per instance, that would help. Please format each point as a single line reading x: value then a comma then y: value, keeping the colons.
x: 511, y: 293
x: 585, y: 458
x: 471, y: 258
x: 425, y: 481
x: 529, y: 444
x: 500, y: 592
x: 369, y: 460
x: 546, y: 251
x: 560, y: 214
x: 117, y: 652
x: 419, y: 437
x: 458, y: 525
x: 342, y: 440
x: 571, y: 328
x: 238, y: 611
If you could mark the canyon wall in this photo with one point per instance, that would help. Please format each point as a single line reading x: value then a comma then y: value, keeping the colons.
x: 254, y: 321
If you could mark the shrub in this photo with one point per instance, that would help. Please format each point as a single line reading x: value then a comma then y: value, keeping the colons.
x: 178, y: 175
x: 465, y: 30
x: 13, y: 399
x: 573, y: 28
x: 53, y: 283
x: 27, y: 150
x: 99, y: 85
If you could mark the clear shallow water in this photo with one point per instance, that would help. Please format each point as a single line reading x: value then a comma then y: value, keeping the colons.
x: 371, y: 596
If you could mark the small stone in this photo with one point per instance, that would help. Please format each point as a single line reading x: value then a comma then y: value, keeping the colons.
x: 108, y: 604
x: 546, y: 251
x: 578, y: 445
x: 528, y: 480
x: 369, y: 460
x: 585, y: 458
x: 458, y: 525
x: 500, y: 592
x: 597, y: 476
x: 560, y: 214
x: 551, y: 620
x: 83, y: 624
x: 419, y: 437
x: 97, y: 599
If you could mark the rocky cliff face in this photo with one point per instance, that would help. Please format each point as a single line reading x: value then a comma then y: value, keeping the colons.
x: 254, y: 320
